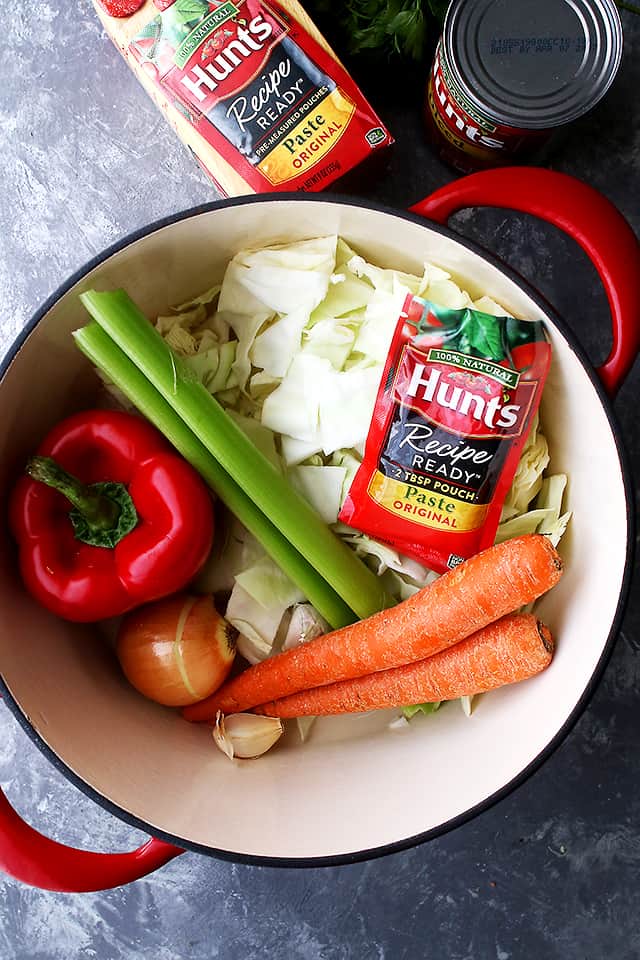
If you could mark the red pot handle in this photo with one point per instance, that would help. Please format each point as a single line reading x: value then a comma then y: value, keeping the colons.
x: 32, y: 858
x: 587, y: 217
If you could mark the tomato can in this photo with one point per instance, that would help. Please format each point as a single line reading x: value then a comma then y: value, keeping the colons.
x: 509, y: 74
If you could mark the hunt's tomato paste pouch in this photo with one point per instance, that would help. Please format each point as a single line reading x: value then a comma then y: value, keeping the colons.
x: 252, y: 88
x: 452, y: 413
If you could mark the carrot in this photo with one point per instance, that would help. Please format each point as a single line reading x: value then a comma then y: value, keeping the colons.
x: 482, y: 589
x: 514, y: 648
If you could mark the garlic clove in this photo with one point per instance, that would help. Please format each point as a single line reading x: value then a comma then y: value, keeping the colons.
x: 246, y: 735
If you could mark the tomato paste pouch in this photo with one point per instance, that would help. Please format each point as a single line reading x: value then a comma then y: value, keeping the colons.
x: 455, y: 404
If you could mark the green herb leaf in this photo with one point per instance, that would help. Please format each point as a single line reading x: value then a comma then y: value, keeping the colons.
x: 179, y: 20
x: 387, y: 26
x: 438, y: 8
x: 188, y: 10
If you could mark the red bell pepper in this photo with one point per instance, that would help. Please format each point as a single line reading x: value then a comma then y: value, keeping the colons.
x: 141, y: 525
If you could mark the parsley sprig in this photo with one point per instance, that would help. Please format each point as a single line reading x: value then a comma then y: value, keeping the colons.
x: 385, y: 26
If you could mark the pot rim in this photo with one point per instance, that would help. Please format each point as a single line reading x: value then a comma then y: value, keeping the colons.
x: 550, y: 748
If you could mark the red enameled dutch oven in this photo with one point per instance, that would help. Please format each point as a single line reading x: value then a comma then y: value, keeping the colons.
x: 396, y: 787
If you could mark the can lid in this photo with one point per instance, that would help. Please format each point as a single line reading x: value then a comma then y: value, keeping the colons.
x: 533, y: 64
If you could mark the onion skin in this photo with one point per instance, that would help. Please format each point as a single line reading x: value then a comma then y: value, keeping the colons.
x: 176, y: 651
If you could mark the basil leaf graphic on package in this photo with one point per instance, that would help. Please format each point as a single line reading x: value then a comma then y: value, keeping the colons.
x: 190, y: 10
x: 484, y: 334
x: 179, y: 20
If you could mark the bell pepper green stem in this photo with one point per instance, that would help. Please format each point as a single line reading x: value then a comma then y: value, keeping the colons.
x: 100, y: 511
x: 103, y: 513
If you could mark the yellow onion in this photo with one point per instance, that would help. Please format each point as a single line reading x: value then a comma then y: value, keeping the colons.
x: 176, y: 651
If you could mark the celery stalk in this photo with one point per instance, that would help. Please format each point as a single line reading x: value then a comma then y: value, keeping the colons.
x: 118, y: 315
x: 104, y: 354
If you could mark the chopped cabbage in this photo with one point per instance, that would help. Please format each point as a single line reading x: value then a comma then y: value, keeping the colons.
x: 268, y: 585
x: 261, y: 385
x: 282, y: 279
x: 295, y: 451
x: 345, y: 408
x: 305, y: 624
x: 304, y: 725
x: 274, y: 349
x: 293, y: 407
x: 213, y: 367
x: 346, y: 295
x: 205, y: 298
x: 331, y: 339
x: 186, y: 319
x: 467, y: 704
x: 447, y: 294
x: 380, y: 320
x: 260, y: 436
x: 351, y: 462
x: 246, y: 329
x: 487, y: 305
x: 521, y: 524
x: 322, y: 487
x: 180, y: 340
x: 528, y: 477
x: 256, y: 624
x: 238, y: 551
x: 425, y: 708
x: 260, y: 597
x: 550, y: 500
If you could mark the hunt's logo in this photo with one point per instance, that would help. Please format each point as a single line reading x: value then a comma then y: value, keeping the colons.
x: 453, y: 115
x: 466, y: 402
x: 205, y: 51
x: 201, y: 80
x: 227, y: 61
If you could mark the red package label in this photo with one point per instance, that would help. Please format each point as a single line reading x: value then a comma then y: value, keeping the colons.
x: 260, y: 90
x: 453, y: 410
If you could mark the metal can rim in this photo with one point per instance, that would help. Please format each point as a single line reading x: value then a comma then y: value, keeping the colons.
x: 471, y: 85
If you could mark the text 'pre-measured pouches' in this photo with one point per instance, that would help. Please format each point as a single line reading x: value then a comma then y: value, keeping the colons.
x: 452, y: 413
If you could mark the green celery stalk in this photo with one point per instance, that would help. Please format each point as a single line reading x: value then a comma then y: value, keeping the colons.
x: 108, y: 357
x: 125, y: 323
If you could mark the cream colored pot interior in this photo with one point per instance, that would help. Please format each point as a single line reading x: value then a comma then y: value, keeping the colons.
x: 356, y: 784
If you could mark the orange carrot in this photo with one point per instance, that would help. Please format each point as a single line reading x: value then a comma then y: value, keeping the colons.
x: 482, y: 589
x: 514, y: 648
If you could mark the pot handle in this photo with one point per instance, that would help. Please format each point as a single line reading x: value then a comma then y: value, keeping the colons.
x: 586, y: 216
x: 35, y: 859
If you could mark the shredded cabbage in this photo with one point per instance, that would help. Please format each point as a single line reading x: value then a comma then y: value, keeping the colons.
x: 305, y: 624
x: 528, y: 477
x: 260, y: 597
x: 425, y: 708
x: 322, y: 487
